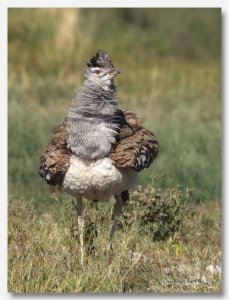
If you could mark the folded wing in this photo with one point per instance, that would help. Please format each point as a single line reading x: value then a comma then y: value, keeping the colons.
x: 136, y: 146
x: 54, y: 161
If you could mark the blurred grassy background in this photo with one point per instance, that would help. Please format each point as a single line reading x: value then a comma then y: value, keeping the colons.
x: 171, y: 62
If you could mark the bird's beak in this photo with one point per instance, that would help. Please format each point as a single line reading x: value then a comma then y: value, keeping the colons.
x: 114, y: 71
x: 117, y: 71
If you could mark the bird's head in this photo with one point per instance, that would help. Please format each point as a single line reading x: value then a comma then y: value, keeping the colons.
x: 100, y: 70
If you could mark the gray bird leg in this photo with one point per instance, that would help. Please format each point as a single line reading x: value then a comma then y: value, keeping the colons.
x: 80, y: 219
x: 117, y: 210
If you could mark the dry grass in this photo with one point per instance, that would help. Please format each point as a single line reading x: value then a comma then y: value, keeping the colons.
x: 44, y: 253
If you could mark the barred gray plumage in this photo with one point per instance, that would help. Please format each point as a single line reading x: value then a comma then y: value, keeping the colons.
x: 94, y: 120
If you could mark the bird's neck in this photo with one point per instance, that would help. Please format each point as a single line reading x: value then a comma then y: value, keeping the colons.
x: 93, y: 122
x: 99, y: 93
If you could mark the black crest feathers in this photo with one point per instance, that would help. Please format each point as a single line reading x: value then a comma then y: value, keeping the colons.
x: 101, y: 60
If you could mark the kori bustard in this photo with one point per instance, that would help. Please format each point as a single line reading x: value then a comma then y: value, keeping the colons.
x: 99, y: 149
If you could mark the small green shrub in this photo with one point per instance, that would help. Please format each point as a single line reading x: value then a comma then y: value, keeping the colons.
x: 161, y: 214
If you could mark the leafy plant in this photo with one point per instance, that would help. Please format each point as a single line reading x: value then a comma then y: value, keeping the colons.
x: 161, y: 214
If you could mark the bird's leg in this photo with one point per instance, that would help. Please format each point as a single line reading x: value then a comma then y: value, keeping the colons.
x: 80, y: 218
x: 117, y: 210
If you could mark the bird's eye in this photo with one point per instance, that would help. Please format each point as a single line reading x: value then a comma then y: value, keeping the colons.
x: 97, y: 72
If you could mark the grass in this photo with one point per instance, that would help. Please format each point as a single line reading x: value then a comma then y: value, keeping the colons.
x: 44, y: 253
x: 171, y: 77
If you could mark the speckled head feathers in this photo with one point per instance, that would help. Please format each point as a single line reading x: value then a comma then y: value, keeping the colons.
x: 101, y: 60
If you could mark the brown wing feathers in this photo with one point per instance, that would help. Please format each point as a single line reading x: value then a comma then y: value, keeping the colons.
x: 136, y: 147
x: 54, y: 161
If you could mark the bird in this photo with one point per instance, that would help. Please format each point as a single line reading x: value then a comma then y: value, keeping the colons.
x: 99, y: 149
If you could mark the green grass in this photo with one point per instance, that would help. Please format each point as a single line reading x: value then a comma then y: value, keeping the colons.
x: 171, y: 77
